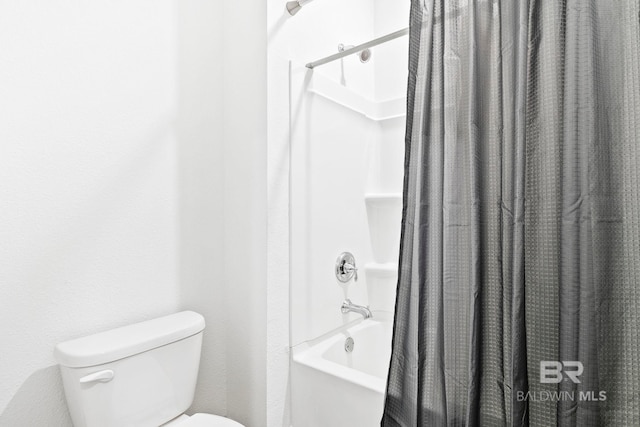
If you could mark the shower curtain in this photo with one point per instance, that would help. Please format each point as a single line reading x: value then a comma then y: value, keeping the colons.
x: 518, y: 298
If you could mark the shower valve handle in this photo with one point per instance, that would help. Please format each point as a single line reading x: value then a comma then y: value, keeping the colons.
x: 346, y: 267
x: 350, y: 268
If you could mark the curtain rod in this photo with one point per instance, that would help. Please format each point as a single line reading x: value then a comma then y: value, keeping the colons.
x: 358, y: 48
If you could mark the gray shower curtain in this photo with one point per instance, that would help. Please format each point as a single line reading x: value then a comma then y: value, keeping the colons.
x: 521, y: 221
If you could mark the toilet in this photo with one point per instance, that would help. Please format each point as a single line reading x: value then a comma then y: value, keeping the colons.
x: 141, y: 375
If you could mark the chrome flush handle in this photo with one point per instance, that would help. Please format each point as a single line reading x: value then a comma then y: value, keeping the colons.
x: 100, y: 376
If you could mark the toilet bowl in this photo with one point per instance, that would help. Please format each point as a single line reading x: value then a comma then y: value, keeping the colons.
x: 141, y: 375
x: 202, y: 420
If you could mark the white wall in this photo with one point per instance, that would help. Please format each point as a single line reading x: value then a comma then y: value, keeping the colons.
x: 317, y: 30
x: 200, y: 151
x: 132, y: 165
x: 245, y: 202
x: 277, y: 321
x: 88, y: 196
x: 392, y: 58
x: 223, y: 199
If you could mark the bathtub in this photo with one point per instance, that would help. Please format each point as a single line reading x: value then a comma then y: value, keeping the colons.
x: 331, y: 387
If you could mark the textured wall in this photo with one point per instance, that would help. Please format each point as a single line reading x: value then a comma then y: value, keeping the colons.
x: 112, y: 190
x: 200, y: 188
x: 222, y: 197
x: 245, y: 202
x: 88, y: 213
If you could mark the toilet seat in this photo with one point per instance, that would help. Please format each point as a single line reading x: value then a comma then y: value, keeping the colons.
x: 209, y: 420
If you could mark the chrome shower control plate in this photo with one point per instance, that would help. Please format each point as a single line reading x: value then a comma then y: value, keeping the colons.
x: 346, y: 267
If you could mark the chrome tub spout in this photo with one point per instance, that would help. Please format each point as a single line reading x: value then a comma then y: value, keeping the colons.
x: 348, y: 306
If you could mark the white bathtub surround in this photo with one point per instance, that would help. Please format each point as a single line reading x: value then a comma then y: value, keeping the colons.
x: 332, y: 142
x: 347, y: 144
x: 346, y: 184
x: 334, y: 387
x: 384, y: 215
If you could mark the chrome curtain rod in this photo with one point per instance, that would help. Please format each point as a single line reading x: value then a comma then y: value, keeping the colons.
x: 358, y: 48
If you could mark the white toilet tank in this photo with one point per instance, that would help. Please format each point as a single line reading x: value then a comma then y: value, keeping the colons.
x: 139, y: 375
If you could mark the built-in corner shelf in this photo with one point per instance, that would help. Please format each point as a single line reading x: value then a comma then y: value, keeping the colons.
x: 390, y: 198
x: 384, y: 214
x: 387, y: 269
x: 382, y: 281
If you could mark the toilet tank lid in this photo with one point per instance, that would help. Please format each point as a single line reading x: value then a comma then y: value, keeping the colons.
x: 126, y: 341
